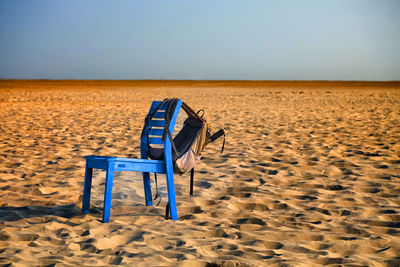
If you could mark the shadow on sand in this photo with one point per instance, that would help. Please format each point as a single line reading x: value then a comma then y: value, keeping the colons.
x: 16, y: 213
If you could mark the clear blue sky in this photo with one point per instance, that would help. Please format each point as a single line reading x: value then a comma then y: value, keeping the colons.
x: 216, y: 39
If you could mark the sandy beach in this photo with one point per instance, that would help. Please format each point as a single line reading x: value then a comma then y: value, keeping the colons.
x: 310, y: 175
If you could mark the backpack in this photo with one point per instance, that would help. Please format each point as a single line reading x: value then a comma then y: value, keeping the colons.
x: 188, y: 144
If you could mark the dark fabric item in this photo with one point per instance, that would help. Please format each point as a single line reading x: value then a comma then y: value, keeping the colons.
x: 186, y: 136
x: 156, y: 153
x: 194, y: 122
x: 183, y: 140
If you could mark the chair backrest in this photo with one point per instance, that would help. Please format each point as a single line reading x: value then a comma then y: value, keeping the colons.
x: 154, y: 130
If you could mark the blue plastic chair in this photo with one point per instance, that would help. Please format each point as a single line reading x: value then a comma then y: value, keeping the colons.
x: 152, y: 134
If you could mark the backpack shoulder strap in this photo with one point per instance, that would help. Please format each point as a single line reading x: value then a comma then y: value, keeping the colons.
x: 170, y: 107
x: 150, y: 115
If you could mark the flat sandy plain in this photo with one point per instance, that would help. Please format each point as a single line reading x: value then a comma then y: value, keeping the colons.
x: 310, y: 175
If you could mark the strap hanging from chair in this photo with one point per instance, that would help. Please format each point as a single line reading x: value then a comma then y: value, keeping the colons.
x: 191, y: 181
x: 150, y: 116
x: 167, y: 217
x: 157, y: 195
x: 218, y: 135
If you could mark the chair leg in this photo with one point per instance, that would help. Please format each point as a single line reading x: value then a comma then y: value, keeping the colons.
x: 108, y: 193
x: 86, y: 189
x: 147, y: 188
x: 171, y: 194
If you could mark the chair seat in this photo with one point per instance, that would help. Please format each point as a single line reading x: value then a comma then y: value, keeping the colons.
x: 126, y: 164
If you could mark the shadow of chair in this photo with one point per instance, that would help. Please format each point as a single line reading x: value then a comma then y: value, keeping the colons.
x: 10, y: 214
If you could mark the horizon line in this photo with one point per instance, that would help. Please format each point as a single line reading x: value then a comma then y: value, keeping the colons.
x: 197, y: 80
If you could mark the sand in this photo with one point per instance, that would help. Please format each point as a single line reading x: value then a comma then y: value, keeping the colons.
x: 309, y: 176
